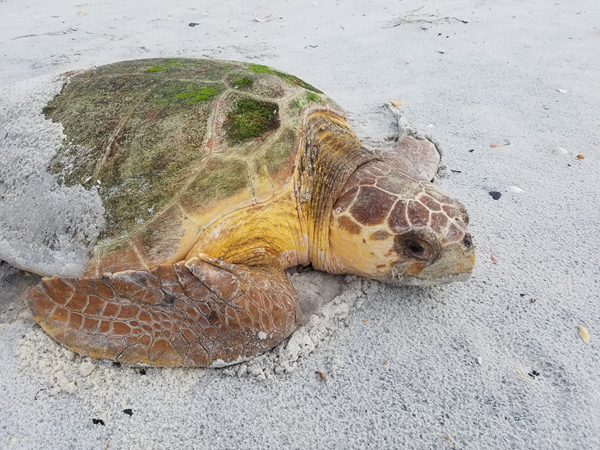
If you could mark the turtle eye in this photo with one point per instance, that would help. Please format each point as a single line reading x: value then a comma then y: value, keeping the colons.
x: 415, y: 248
x: 418, y: 244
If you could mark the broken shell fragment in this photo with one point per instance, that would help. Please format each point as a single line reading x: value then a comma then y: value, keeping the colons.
x: 397, y: 104
x: 560, y: 151
x: 261, y: 19
x: 584, y: 333
x: 580, y: 157
x: 515, y: 189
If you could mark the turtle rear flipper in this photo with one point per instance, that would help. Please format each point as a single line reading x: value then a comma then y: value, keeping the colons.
x: 194, y: 313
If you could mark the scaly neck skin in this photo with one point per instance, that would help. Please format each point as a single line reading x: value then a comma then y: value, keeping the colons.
x: 295, y: 224
x: 331, y: 154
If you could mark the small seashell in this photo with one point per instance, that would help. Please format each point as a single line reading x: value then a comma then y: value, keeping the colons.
x: 493, y: 259
x: 261, y: 19
x: 584, y: 333
x: 563, y: 91
x: 479, y: 360
x: 397, y: 104
x: 560, y: 151
x: 494, y: 146
x: 515, y: 189
x: 580, y: 157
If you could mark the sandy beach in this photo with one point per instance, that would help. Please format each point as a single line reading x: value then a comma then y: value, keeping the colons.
x: 510, y: 89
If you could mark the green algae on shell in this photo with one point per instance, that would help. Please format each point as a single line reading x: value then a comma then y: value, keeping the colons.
x: 291, y: 79
x: 251, y: 119
x: 171, y: 145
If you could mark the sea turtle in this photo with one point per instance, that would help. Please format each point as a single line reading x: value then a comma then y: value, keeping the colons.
x: 215, y: 177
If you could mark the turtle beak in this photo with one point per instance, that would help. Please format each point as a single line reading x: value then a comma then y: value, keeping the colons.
x: 455, y: 264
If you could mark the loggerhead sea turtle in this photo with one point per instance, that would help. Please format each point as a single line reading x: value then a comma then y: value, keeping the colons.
x: 215, y: 177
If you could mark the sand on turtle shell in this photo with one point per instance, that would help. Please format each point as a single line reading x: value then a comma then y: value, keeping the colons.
x: 44, y: 227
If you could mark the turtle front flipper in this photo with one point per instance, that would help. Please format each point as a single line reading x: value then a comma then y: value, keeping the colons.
x: 194, y: 313
x: 415, y: 155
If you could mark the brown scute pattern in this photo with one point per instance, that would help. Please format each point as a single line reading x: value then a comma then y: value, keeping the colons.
x: 372, y: 205
x: 344, y: 202
x: 397, y: 221
x: 381, y: 196
x: 430, y: 203
x: 439, y: 221
x: 380, y: 235
x: 417, y: 214
x: 349, y: 225
x: 187, y: 314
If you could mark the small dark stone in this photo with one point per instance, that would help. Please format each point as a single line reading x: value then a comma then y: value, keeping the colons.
x: 193, y: 24
x: 455, y: 171
x: 128, y: 411
x: 534, y: 373
x: 472, y: 150
x: 98, y: 421
x: 522, y: 295
x: 142, y: 372
x: 116, y: 364
x: 495, y: 195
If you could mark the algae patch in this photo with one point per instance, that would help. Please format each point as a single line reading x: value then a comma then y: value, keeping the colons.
x: 165, y: 66
x: 251, y: 119
x: 241, y: 82
x: 198, y: 94
x: 300, y: 103
x: 291, y: 79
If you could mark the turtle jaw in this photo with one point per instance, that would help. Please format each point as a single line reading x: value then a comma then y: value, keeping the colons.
x: 455, y: 264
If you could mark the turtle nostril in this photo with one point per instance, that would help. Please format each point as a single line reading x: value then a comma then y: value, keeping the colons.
x: 468, y: 241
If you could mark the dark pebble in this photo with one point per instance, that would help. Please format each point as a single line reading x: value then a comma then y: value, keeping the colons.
x: 193, y: 24
x: 98, y: 421
x: 495, y: 195
x: 128, y: 411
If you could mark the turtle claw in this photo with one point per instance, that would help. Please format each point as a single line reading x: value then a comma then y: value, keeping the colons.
x: 194, y: 313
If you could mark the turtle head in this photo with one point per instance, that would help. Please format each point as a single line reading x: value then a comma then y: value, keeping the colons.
x: 393, y: 228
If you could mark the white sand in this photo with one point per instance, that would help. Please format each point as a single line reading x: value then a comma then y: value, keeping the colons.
x: 405, y: 367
